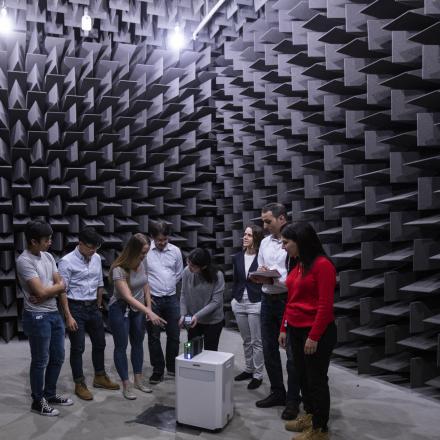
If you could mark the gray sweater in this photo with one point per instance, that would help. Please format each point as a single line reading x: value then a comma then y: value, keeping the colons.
x: 202, y: 299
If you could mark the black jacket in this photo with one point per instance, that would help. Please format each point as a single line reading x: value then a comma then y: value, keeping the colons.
x: 240, y: 281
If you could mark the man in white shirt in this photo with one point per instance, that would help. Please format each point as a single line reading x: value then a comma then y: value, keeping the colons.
x: 272, y: 256
x: 164, y: 266
x: 81, y: 271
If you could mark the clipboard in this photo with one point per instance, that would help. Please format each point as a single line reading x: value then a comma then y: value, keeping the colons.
x: 265, y: 273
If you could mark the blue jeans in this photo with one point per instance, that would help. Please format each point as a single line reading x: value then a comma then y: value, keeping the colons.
x: 125, y: 324
x: 45, y: 331
x: 272, y: 310
x: 89, y: 319
x: 168, y: 308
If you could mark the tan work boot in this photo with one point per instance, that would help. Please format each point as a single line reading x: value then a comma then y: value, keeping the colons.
x: 103, y: 381
x: 82, y: 391
x: 300, y: 424
x: 313, y: 434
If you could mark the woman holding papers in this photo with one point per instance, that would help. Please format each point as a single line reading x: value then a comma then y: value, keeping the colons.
x: 246, y: 305
x: 309, y: 320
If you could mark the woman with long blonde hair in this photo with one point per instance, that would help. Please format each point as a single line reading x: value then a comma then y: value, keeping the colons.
x: 129, y: 306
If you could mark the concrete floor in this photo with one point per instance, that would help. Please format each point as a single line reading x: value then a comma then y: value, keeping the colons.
x: 362, y: 407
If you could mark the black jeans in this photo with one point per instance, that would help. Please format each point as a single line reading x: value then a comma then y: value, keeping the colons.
x: 168, y: 308
x: 272, y: 310
x: 210, y: 332
x: 312, y: 371
x: 89, y: 319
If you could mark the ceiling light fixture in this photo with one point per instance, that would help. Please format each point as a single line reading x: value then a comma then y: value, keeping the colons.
x: 176, y: 40
x: 207, y: 18
x: 5, y: 22
x: 86, y: 21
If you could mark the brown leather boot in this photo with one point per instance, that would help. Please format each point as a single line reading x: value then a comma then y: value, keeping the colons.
x: 82, y: 391
x: 300, y: 424
x: 103, y: 381
x: 313, y: 434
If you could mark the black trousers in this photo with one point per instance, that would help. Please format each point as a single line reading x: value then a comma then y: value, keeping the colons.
x: 272, y: 310
x: 167, y: 307
x: 89, y: 320
x: 312, y: 371
x: 210, y: 333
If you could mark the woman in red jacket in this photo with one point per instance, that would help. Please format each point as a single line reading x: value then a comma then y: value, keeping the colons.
x: 309, y: 319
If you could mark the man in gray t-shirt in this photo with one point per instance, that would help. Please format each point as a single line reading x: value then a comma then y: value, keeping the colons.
x: 42, y: 266
x: 40, y: 282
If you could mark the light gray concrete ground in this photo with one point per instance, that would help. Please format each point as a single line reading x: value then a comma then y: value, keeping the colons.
x: 362, y: 408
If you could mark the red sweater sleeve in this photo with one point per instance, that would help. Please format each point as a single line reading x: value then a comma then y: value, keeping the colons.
x: 326, y: 282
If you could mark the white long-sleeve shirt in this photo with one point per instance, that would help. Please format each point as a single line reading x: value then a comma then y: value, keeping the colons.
x: 273, y: 256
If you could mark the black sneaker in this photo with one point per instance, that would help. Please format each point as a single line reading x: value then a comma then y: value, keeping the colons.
x: 290, y: 411
x: 156, y: 378
x: 42, y: 407
x: 254, y: 384
x: 59, y: 400
x: 243, y: 376
x: 273, y: 399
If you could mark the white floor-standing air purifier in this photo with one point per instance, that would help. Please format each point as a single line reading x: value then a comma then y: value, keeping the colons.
x: 204, y: 389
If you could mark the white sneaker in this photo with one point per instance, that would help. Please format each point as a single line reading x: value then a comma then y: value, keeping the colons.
x: 128, y: 393
x: 142, y: 387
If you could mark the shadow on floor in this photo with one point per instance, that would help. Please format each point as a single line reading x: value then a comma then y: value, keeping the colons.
x: 164, y: 418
